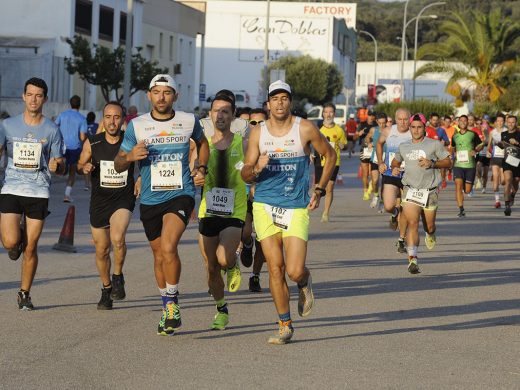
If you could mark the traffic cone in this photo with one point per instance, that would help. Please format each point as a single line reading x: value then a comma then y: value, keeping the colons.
x: 339, y: 179
x: 66, y: 240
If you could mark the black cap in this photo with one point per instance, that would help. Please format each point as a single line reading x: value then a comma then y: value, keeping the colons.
x: 372, y: 113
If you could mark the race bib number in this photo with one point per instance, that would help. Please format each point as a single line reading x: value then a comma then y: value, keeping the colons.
x: 281, y: 217
x: 512, y: 160
x: 463, y: 156
x: 27, y: 155
x: 109, y: 178
x: 166, y: 176
x: 220, y: 201
x: 498, y: 152
x: 419, y: 197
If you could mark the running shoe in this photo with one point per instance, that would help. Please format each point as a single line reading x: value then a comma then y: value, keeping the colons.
x: 118, y: 287
x: 160, y: 327
x: 234, y: 278
x: 366, y: 195
x: 105, y: 303
x: 483, y: 191
x: 284, y: 335
x: 401, y: 246
x: 450, y: 176
x: 254, y: 284
x: 444, y: 184
x: 461, y: 214
x: 24, y: 301
x: 375, y: 202
x: 507, y: 211
x: 246, y: 256
x: 220, y: 321
x: 471, y: 194
x: 172, y: 321
x: 15, y: 253
x: 67, y: 199
x: 413, y: 268
x: 325, y: 217
x: 478, y: 184
x: 369, y: 190
x: 498, y: 204
x: 394, y: 222
x: 306, y: 299
x: 430, y: 240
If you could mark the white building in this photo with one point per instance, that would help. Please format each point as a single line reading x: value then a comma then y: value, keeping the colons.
x: 233, y: 46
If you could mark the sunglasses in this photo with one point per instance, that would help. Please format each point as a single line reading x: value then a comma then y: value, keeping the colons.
x: 254, y: 123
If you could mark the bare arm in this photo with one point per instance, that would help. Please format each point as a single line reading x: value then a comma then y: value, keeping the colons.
x: 251, y: 170
x: 203, y: 151
x: 379, y: 150
x: 84, y: 165
x: 123, y: 159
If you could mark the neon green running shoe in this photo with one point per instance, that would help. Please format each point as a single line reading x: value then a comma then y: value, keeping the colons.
x: 220, y: 321
x: 234, y: 278
x: 173, y: 317
x: 430, y: 240
x: 160, y: 327
x: 413, y: 267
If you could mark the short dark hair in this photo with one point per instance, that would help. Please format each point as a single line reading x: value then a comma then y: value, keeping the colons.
x: 513, y: 116
x: 75, y: 102
x: 331, y: 105
x: 258, y: 111
x: 243, y: 110
x: 40, y: 83
x: 91, y: 117
x: 381, y: 115
x: 463, y: 116
x: 225, y: 95
x: 501, y: 116
x: 114, y: 103
x: 434, y: 114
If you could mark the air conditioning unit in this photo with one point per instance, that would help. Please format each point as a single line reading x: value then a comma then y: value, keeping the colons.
x: 177, y: 69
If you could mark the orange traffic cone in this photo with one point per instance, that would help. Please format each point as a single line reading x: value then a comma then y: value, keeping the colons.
x: 66, y: 240
x: 339, y: 179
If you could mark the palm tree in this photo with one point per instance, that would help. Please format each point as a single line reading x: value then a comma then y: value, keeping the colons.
x: 476, y: 52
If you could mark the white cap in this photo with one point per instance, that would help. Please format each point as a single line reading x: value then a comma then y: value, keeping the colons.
x: 163, y: 79
x: 279, y: 86
x: 351, y: 116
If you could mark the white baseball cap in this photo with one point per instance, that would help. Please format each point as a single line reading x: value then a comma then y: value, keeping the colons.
x: 279, y: 86
x: 351, y: 116
x: 163, y: 79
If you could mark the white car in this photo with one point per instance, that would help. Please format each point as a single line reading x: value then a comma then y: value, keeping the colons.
x: 315, y: 114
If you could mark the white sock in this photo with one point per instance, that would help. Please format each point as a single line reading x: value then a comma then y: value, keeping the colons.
x: 68, y: 190
x: 172, y: 289
x: 162, y: 291
x: 412, y: 251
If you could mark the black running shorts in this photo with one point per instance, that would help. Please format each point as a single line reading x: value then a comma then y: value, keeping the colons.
x: 212, y: 226
x: 152, y: 215
x: 33, y: 208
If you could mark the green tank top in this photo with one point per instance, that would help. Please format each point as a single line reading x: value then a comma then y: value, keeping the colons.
x: 464, y: 144
x: 224, y: 192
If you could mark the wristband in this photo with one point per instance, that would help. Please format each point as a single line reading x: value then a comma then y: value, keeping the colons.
x: 320, y: 190
x: 204, y: 167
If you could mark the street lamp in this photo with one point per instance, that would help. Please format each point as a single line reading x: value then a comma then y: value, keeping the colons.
x: 407, y: 24
x: 402, y: 49
x: 375, y: 54
x: 405, y: 48
x: 415, y: 43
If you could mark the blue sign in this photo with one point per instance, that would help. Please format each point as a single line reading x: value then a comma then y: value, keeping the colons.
x: 202, y: 92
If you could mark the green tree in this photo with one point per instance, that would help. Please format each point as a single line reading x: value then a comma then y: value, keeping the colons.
x: 477, y: 52
x: 105, y: 67
x: 313, y: 80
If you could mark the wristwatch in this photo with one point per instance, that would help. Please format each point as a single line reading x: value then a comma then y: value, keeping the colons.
x: 204, y: 167
x: 320, y: 190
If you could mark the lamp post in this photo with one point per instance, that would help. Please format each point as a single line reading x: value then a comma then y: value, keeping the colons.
x: 415, y: 43
x: 375, y: 54
x: 266, y: 49
x: 128, y: 53
x: 402, y: 49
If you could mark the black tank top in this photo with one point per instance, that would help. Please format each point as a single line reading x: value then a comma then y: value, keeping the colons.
x: 107, y: 185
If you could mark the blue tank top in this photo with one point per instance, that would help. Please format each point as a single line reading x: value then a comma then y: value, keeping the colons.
x: 394, y: 139
x: 285, y: 180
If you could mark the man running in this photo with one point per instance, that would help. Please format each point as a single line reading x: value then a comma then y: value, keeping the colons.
x: 465, y: 145
x: 112, y: 202
x: 422, y: 157
x: 350, y: 129
x: 391, y: 138
x: 223, y: 207
x: 511, y: 144
x: 366, y: 152
x: 277, y: 159
x: 372, y: 138
x: 497, y: 157
x: 336, y: 137
x: 73, y: 127
x: 160, y: 141
x: 34, y: 148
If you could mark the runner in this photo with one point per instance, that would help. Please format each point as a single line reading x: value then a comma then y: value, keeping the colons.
x: 112, y: 202
x: 483, y: 158
x: 34, y: 150
x: 422, y: 157
x: 372, y: 138
x: 497, y: 157
x: 223, y: 207
x: 160, y: 141
x: 366, y: 152
x: 465, y: 145
x: 391, y: 138
x: 511, y: 164
x: 277, y: 159
x: 336, y: 137
x: 350, y: 128
x: 73, y: 127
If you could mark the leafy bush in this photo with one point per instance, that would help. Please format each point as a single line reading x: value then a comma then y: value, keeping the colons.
x: 423, y: 106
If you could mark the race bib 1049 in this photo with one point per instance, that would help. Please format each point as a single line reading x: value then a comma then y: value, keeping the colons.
x: 220, y: 201
x: 166, y: 176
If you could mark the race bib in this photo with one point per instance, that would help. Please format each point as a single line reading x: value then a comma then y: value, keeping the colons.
x: 220, y: 201
x: 512, y: 160
x: 367, y: 153
x: 419, y: 197
x: 463, y: 156
x: 281, y: 217
x: 27, y: 155
x: 109, y: 178
x: 498, y: 152
x: 166, y: 176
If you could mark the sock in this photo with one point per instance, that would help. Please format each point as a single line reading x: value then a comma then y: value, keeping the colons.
x: 461, y: 208
x: 68, y: 190
x: 163, y: 296
x: 172, y: 293
x: 285, y: 317
x: 222, y: 306
x: 107, y: 287
x: 412, y: 251
x: 250, y: 245
x: 497, y: 196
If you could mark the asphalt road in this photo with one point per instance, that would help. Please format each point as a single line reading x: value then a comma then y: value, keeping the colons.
x: 374, y: 326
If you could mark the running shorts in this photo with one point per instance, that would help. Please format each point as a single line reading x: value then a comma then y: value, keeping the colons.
x: 466, y: 174
x: 433, y: 199
x: 33, y: 208
x: 100, y: 214
x: 298, y: 225
x: 72, y: 156
x: 212, y: 226
x: 152, y: 215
